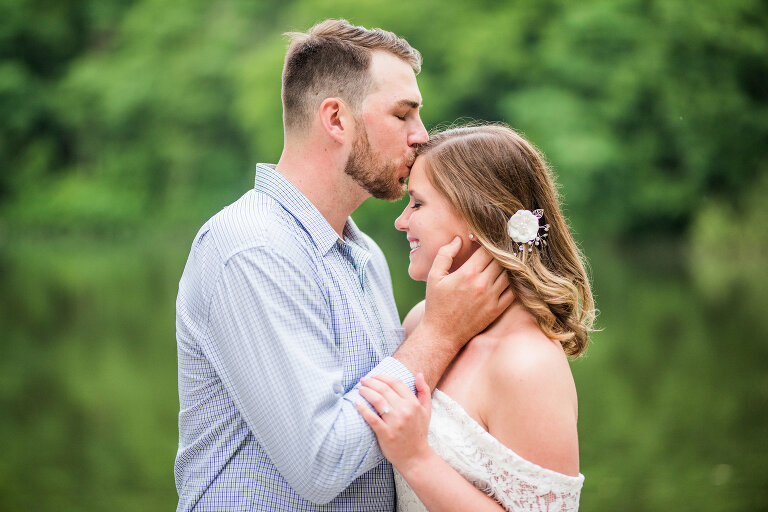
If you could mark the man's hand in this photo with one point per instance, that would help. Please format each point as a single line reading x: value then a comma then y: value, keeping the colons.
x: 463, y: 303
x: 458, y: 306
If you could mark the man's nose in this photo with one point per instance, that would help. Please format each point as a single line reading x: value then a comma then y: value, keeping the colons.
x: 419, y: 135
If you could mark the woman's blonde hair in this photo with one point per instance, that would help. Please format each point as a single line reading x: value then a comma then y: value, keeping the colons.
x: 488, y: 172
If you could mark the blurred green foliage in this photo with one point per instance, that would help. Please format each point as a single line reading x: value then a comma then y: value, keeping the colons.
x: 119, y: 112
x: 124, y: 124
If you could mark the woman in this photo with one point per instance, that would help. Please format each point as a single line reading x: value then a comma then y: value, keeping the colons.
x: 502, y: 434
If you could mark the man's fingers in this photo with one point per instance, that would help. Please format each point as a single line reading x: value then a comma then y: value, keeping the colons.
x: 502, y: 278
x: 506, y: 298
x: 444, y: 259
x: 479, y: 260
x: 502, y: 275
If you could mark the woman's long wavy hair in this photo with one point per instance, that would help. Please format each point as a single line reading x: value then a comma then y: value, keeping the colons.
x: 488, y: 172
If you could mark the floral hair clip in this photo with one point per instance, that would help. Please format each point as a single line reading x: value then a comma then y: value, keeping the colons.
x: 523, y: 228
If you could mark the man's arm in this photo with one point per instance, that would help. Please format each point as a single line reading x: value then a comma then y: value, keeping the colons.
x: 458, y: 305
x: 270, y: 339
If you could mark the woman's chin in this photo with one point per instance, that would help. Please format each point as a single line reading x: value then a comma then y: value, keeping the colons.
x: 416, y: 275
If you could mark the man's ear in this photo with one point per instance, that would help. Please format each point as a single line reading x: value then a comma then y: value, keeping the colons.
x: 336, y: 119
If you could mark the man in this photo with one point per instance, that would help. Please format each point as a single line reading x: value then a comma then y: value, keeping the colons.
x: 284, y: 304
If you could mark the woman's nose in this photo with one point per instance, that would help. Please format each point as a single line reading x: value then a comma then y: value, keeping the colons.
x: 401, y: 223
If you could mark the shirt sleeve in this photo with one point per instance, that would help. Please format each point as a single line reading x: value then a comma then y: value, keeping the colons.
x: 270, y: 339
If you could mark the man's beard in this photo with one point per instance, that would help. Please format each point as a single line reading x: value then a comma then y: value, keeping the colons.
x: 377, y: 177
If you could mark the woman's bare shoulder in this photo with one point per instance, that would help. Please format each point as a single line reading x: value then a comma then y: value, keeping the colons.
x: 530, y: 355
x: 413, y: 318
x: 532, y: 406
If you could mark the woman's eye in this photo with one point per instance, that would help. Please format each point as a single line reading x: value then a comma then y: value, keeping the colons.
x: 416, y: 204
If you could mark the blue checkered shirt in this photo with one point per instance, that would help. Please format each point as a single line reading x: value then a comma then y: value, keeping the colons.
x: 277, y: 318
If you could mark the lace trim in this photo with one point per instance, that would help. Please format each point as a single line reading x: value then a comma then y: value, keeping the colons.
x: 516, y: 483
x: 496, y: 447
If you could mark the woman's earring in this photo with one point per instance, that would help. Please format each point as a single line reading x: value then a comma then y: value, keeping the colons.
x: 471, y: 236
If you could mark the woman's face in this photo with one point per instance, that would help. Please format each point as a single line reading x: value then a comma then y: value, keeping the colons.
x: 430, y: 222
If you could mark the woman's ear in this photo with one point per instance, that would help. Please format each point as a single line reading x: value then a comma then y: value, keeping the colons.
x: 336, y: 119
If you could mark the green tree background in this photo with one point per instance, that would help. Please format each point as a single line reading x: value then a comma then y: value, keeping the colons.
x: 125, y: 124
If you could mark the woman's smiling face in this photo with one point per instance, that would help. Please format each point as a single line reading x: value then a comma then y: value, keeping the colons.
x: 430, y: 222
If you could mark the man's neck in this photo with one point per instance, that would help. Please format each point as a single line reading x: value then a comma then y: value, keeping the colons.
x: 320, y: 178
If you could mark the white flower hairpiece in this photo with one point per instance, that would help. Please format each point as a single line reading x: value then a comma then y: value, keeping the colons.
x: 523, y: 228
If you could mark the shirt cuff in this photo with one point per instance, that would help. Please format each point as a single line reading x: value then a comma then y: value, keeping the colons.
x: 393, y: 367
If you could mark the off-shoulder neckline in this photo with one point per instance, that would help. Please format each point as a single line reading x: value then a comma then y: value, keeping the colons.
x: 494, y: 444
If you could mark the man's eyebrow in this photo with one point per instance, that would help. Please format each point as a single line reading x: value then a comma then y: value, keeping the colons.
x: 409, y: 104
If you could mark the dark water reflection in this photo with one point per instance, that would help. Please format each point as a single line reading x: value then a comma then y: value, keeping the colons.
x: 673, y: 391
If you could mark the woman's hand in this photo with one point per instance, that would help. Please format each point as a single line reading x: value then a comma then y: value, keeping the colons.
x: 403, y: 420
x: 402, y: 430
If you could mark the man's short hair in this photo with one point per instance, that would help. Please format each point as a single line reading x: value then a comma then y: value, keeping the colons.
x: 331, y: 60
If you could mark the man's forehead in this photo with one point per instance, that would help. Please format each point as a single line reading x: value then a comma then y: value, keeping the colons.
x: 397, y: 95
x: 394, y: 76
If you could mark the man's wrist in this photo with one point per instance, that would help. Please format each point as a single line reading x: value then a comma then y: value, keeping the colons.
x: 438, y: 335
x: 427, y: 353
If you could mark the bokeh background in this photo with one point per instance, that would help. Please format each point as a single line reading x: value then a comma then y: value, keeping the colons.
x: 125, y: 124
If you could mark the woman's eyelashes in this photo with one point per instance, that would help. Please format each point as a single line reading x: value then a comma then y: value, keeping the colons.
x: 416, y: 205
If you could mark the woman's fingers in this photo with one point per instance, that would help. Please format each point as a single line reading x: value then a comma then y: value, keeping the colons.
x: 402, y: 428
x: 394, y: 401
x: 371, y: 418
x: 376, y: 399
x: 394, y: 384
x: 384, y: 389
x: 423, y: 393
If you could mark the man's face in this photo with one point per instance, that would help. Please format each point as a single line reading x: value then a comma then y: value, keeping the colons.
x: 389, y: 129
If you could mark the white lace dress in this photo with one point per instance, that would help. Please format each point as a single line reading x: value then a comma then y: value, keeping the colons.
x: 514, y: 482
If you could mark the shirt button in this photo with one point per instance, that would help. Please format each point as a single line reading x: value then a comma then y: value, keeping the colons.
x: 337, y: 388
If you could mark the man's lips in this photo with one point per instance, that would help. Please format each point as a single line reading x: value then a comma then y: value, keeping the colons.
x: 408, y: 173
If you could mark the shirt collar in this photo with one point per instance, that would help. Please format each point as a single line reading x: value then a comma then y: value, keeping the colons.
x: 269, y: 181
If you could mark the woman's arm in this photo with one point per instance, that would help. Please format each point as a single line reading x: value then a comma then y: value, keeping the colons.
x: 402, y: 434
